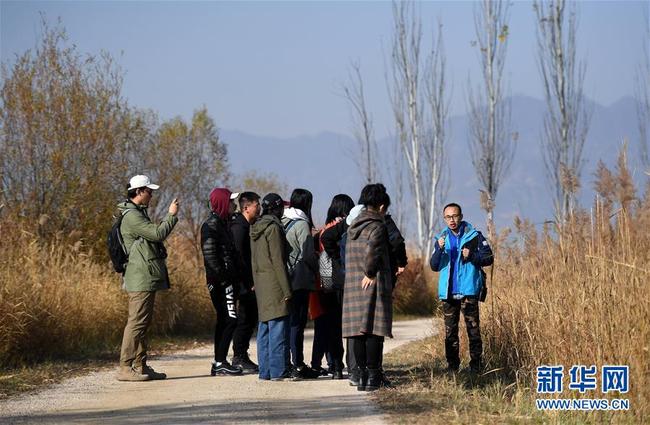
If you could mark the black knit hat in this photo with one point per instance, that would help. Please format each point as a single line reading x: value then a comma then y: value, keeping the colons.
x: 271, y: 202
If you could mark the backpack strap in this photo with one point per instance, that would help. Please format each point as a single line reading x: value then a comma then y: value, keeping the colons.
x: 290, y: 225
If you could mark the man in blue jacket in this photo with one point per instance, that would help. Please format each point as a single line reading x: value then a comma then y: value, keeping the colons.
x: 460, y: 252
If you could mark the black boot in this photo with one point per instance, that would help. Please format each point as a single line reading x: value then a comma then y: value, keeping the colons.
x: 374, y: 379
x: 353, y: 376
x: 363, y: 378
x: 337, y: 370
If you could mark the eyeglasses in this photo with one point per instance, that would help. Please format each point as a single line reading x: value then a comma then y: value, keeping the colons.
x: 148, y: 190
x: 452, y: 217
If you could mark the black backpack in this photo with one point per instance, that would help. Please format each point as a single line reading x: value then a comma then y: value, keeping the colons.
x: 115, y: 242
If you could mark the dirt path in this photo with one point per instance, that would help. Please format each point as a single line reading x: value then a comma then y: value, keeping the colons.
x: 191, y: 395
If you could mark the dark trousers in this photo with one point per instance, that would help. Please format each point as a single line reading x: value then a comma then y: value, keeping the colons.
x: 298, y: 321
x: 246, y: 324
x: 368, y: 351
x: 451, y: 310
x: 328, y: 337
x: 224, y: 302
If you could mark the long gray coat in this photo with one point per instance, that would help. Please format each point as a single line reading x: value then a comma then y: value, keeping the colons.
x: 368, y: 311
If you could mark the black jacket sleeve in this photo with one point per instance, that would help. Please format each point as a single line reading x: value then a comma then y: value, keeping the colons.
x: 397, y: 245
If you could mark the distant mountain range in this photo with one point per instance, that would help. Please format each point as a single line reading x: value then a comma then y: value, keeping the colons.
x: 324, y: 163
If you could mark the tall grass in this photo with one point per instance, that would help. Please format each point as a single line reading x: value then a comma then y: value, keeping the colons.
x: 580, y: 297
x: 56, y: 301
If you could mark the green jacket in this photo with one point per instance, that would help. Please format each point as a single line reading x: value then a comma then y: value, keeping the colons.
x: 143, y: 240
x: 269, y: 254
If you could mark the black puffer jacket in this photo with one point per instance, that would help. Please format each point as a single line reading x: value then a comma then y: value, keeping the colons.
x: 219, y: 255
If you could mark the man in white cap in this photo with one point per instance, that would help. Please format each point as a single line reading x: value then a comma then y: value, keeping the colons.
x: 146, y: 273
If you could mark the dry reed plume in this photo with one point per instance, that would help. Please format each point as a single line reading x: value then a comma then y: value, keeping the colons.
x: 56, y: 301
x: 580, y: 297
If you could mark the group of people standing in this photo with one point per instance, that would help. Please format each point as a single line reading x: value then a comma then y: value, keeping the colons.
x: 270, y: 251
x: 267, y: 266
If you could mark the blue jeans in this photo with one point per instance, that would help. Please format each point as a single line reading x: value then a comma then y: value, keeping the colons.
x: 272, y: 343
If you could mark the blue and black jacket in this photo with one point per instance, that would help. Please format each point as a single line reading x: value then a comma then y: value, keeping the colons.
x: 469, y: 274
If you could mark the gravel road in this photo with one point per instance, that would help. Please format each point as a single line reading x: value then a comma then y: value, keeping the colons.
x: 191, y: 396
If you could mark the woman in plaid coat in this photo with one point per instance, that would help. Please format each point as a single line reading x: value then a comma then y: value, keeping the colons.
x: 367, y: 295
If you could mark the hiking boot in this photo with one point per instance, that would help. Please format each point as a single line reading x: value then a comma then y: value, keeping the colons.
x: 129, y: 374
x: 224, y: 368
x: 246, y: 364
x: 148, y: 370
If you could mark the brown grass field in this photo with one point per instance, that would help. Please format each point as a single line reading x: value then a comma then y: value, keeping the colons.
x: 580, y: 297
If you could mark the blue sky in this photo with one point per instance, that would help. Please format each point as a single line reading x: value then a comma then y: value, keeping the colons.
x: 275, y: 68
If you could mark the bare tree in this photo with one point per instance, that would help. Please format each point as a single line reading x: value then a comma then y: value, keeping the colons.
x: 362, y: 127
x: 567, y: 120
x: 491, y: 145
x: 420, y: 129
x: 434, y: 147
x: 189, y: 160
x: 642, y: 88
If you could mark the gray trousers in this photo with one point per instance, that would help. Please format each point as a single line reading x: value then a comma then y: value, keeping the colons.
x: 134, y: 341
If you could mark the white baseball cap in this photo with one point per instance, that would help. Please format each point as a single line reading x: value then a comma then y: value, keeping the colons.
x: 141, y: 181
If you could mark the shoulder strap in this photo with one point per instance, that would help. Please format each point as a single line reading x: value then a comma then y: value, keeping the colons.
x: 290, y: 225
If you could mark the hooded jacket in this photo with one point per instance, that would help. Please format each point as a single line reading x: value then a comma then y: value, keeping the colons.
x: 219, y: 255
x: 269, y: 254
x: 303, y: 262
x: 368, y: 311
x: 143, y: 240
x: 470, y: 278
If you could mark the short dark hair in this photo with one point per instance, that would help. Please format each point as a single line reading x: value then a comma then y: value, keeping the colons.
x: 132, y: 193
x: 247, y: 198
x: 374, y: 195
x: 340, y: 207
x: 302, y: 199
x: 453, y: 204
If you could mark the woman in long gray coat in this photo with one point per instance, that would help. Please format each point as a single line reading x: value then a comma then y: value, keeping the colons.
x: 367, y: 295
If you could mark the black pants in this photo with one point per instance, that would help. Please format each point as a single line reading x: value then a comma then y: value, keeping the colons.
x: 246, y: 324
x: 451, y: 310
x: 298, y: 321
x: 368, y: 351
x: 224, y: 302
x: 328, y: 332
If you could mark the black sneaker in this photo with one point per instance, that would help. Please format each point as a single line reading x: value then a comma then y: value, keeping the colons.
x: 225, y: 368
x: 246, y: 364
x: 321, y: 371
x: 306, y: 372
